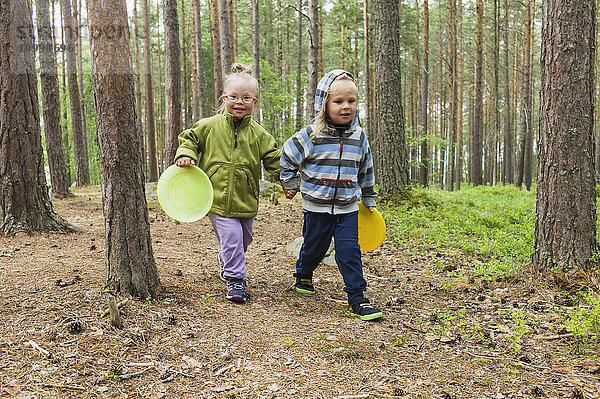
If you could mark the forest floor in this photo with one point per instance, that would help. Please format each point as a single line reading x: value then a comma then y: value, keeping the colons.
x: 444, y: 334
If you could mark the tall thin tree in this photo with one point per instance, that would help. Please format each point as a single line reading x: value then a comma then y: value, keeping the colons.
x: 507, y: 155
x: 59, y: 176
x: 199, y: 59
x: 80, y: 150
x: 424, y: 164
x: 476, y: 146
x: 172, y: 79
x: 150, y: 124
x: 313, y: 58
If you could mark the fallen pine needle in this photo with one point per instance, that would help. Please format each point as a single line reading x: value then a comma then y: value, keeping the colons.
x: 76, y: 387
x: 131, y: 375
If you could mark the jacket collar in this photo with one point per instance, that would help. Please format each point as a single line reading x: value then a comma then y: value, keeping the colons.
x: 244, y: 123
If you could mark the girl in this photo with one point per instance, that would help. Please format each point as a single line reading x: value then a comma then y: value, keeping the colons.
x: 229, y: 147
x: 334, y: 160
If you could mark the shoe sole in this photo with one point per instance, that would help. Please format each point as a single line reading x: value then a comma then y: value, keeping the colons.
x: 237, y: 299
x: 368, y: 317
x: 303, y: 292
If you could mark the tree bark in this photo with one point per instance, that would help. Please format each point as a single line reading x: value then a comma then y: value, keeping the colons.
x: 150, y: 125
x: 312, y: 78
x: 59, y: 177
x: 565, y: 228
x: 78, y: 41
x: 299, y: 101
x: 425, y: 160
x: 129, y: 258
x: 452, y: 86
x: 477, y: 148
x: 459, y: 98
x: 199, y: 59
x: 255, y: 40
x: 25, y: 205
x: 172, y: 80
x: 80, y: 151
x: 136, y: 60
x: 185, y: 77
x: 507, y: 165
x: 216, y: 47
x: 225, y: 36
x: 393, y: 156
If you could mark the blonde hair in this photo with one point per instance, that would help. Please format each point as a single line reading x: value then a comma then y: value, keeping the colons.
x: 321, y: 120
x: 239, y: 71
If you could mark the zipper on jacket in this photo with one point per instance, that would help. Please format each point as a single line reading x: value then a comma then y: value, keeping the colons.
x: 337, y: 181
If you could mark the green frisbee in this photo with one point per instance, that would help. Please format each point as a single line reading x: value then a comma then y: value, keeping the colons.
x: 371, y: 228
x: 185, y: 194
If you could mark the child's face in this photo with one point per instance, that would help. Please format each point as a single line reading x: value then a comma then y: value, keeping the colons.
x: 342, y: 102
x: 240, y: 98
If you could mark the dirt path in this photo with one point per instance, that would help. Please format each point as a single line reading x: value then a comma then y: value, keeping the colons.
x: 442, y: 336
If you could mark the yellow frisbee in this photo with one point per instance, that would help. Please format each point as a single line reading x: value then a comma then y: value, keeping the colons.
x: 371, y: 228
x: 185, y: 194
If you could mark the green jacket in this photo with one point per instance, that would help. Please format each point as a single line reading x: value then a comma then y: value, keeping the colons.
x: 231, y: 158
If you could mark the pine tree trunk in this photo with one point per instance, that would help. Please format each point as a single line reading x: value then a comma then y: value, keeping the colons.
x: 392, y: 156
x: 312, y: 78
x: 136, y: 58
x: 185, y: 77
x: 495, y: 116
x: 367, y: 80
x: 528, y: 161
x: 150, y: 124
x: 172, y: 80
x: 459, y: 98
x: 425, y: 160
x: 216, y: 48
x: 225, y: 36
x: 80, y: 152
x: 477, y: 148
x: 507, y: 166
x: 77, y: 21
x: 50, y: 104
x: 525, y: 123
x: 452, y: 44
x: 565, y: 228
x: 25, y: 205
x: 299, y: 101
x: 255, y: 40
x: 131, y: 265
x: 199, y: 59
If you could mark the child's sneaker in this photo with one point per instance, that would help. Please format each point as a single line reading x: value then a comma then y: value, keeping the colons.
x: 221, y: 268
x: 363, y: 309
x: 237, y: 291
x: 304, y: 284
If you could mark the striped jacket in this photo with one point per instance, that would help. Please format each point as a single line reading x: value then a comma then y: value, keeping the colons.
x: 336, y: 167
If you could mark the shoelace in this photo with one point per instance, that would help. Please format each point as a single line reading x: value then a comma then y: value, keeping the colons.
x: 237, y: 286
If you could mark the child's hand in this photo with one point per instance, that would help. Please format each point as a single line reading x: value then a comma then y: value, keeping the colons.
x: 289, y: 194
x: 371, y: 208
x: 184, y: 161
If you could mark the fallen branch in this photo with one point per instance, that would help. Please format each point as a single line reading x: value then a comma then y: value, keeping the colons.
x: 40, y: 349
x: 554, y: 337
x: 62, y: 386
x: 131, y: 375
x: 413, y: 327
x: 119, y: 306
x: 76, y: 387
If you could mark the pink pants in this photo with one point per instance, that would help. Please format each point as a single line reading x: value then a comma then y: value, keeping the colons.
x: 234, y: 236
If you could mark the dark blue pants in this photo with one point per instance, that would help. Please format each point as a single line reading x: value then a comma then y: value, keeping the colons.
x: 318, y: 230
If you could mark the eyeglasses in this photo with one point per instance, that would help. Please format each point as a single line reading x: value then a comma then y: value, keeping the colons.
x: 234, y: 99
